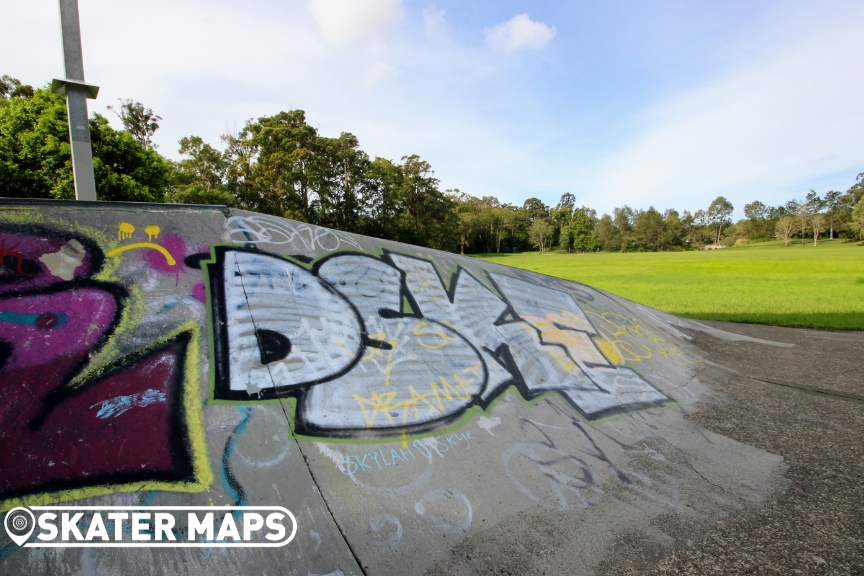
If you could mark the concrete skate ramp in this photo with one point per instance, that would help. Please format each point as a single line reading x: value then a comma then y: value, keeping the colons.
x: 417, y: 411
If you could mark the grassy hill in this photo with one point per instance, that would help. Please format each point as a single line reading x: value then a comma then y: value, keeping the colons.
x: 763, y: 283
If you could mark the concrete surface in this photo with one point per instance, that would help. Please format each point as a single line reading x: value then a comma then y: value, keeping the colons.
x: 815, y: 421
x: 419, y: 412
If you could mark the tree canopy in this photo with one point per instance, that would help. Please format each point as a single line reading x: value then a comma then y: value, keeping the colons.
x: 282, y: 165
x: 36, y: 162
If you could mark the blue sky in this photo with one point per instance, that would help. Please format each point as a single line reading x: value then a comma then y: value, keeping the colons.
x: 646, y: 103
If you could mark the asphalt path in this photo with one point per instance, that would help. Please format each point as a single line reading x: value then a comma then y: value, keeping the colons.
x: 803, y: 402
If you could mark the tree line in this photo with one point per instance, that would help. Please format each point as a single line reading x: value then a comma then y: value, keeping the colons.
x: 281, y: 165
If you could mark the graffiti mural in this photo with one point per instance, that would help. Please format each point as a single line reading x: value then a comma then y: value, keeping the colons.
x: 67, y: 427
x: 378, y: 345
x: 260, y: 228
x: 102, y: 379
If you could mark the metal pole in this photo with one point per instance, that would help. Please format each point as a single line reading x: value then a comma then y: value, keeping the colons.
x: 76, y: 103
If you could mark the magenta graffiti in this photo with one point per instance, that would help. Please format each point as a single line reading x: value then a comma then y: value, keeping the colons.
x: 54, y: 426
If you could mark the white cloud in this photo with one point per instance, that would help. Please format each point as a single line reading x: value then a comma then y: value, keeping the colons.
x: 344, y: 22
x: 770, y: 127
x: 435, y: 23
x: 517, y: 33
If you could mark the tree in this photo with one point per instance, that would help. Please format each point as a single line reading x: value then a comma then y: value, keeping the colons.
x: 701, y: 227
x: 857, y: 189
x: 832, y: 205
x: 777, y: 213
x: 7, y: 85
x: 514, y: 221
x: 757, y: 215
x: 648, y: 230
x: 419, y: 186
x: 124, y: 170
x: 562, y: 214
x: 857, y: 220
x: 814, y: 202
x: 607, y: 234
x: 536, y: 209
x: 467, y: 208
x: 12, y: 88
x: 846, y: 205
x: 204, y: 165
x: 201, y: 177
x: 565, y: 238
x: 582, y: 226
x: 341, y: 182
x: 688, y: 229
x: 718, y: 214
x: 36, y: 162
x: 501, y: 216
x: 280, y: 165
x: 379, y: 205
x: 540, y: 233
x: 785, y: 229
x: 140, y: 122
x: 816, y: 221
x: 35, y: 155
x: 567, y: 202
x: 817, y: 224
x: 488, y: 223
x: 774, y: 216
x: 673, y: 230
x: 624, y: 218
x: 802, y: 215
x: 277, y: 165
x: 428, y: 217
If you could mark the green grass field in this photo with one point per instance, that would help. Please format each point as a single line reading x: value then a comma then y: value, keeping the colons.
x: 821, y: 287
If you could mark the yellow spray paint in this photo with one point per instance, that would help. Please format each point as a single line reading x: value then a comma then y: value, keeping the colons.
x: 125, y: 231
x: 152, y: 232
x: 121, y: 249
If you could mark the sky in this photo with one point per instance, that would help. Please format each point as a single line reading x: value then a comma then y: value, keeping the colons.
x: 649, y: 103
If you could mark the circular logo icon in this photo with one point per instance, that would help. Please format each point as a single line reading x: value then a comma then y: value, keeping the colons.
x: 20, y: 524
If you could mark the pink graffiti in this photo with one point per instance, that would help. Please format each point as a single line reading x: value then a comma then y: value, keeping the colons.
x: 20, y: 267
x: 176, y: 246
x: 64, y: 324
x: 198, y: 291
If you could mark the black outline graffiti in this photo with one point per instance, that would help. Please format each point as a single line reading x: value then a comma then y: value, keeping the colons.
x: 221, y: 374
x: 502, y: 353
x: 180, y: 445
x: 97, y: 258
x: 215, y: 271
x: 179, y: 442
